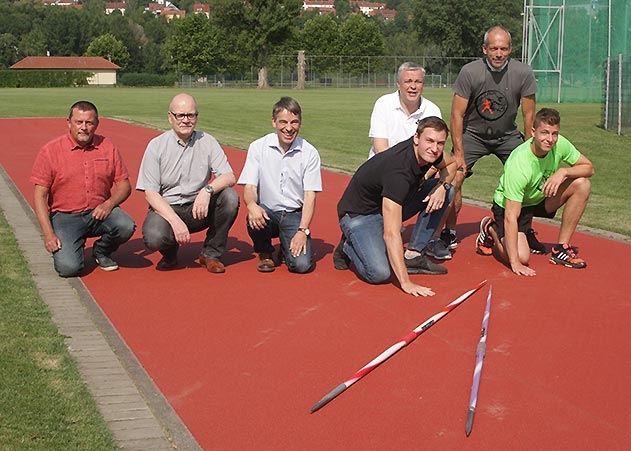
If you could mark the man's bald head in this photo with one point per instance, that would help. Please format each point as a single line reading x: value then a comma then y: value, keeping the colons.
x: 183, y: 115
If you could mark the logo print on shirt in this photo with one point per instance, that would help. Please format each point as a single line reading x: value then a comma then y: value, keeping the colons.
x: 491, y: 105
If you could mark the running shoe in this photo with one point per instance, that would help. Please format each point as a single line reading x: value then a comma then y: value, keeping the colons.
x: 423, y: 265
x: 449, y: 238
x: 438, y: 249
x: 536, y: 247
x: 566, y: 255
x: 484, y: 241
x: 105, y: 262
x: 340, y: 259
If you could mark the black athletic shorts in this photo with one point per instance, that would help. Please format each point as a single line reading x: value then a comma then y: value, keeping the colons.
x: 476, y: 147
x: 524, y: 222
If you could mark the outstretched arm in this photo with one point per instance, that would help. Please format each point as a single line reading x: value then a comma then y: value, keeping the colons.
x: 40, y: 204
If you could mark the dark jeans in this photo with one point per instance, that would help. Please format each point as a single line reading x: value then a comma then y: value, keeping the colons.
x: 72, y: 229
x: 284, y: 225
x: 365, y: 245
x: 222, y: 211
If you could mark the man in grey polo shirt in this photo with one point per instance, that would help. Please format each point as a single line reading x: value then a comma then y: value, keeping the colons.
x: 281, y: 177
x: 187, y: 182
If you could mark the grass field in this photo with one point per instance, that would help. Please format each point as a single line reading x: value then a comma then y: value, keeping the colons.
x: 336, y: 121
x: 45, y: 405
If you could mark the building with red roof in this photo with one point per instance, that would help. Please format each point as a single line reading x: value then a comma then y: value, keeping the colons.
x: 103, y: 71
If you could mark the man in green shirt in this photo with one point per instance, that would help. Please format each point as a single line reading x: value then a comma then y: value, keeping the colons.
x: 535, y: 184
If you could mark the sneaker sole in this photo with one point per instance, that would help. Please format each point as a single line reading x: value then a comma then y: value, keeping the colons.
x: 431, y: 254
x: 485, y: 253
x: 566, y: 264
x: 106, y: 268
x: 425, y: 272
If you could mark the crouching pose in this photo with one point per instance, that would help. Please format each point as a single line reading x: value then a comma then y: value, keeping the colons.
x: 387, y: 190
x: 534, y: 184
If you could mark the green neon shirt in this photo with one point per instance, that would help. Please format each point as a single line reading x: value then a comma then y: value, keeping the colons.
x: 525, y: 173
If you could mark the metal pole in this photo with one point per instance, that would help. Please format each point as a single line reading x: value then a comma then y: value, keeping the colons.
x: 561, y: 38
x: 607, y: 87
x: 619, y: 93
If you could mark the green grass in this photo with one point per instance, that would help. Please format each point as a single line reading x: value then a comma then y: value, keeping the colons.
x: 336, y: 121
x: 44, y: 404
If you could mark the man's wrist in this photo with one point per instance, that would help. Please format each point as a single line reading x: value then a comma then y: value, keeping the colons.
x: 209, y: 189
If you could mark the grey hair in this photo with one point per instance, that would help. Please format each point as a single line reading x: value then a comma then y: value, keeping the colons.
x: 409, y: 66
x: 494, y: 28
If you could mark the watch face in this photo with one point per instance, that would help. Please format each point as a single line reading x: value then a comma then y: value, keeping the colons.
x: 306, y: 231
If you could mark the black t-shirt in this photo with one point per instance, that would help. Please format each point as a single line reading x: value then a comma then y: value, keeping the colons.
x: 393, y: 173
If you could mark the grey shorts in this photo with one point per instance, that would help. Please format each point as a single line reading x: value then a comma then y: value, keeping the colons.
x: 476, y: 147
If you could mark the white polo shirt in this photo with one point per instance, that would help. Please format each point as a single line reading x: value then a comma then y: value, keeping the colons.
x: 388, y: 120
x: 282, y: 178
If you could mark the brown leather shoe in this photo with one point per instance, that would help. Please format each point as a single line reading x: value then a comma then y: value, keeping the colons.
x: 212, y: 264
x: 266, y: 264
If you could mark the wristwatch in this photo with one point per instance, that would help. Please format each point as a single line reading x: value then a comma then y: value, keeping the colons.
x: 209, y: 189
x: 304, y: 230
x: 447, y: 186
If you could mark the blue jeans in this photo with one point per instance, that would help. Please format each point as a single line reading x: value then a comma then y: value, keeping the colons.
x: 158, y: 234
x: 284, y: 225
x: 363, y: 234
x: 72, y: 229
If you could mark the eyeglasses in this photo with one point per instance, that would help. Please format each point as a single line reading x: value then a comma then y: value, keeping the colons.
x: 181, y: 116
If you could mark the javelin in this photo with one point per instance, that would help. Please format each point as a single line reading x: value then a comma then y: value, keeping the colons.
x: 385, y: 355
x: 479, y: 360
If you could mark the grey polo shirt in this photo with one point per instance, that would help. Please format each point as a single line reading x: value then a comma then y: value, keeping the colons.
x: 178, y: 170
x: 282, y: 178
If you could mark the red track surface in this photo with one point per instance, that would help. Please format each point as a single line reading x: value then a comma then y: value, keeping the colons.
x: 243, y: 356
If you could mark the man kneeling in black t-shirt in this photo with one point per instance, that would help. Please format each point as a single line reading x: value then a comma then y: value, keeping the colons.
x: 387, y: 190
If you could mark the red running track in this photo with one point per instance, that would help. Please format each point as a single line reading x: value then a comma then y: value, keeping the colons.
x: 243, y: 356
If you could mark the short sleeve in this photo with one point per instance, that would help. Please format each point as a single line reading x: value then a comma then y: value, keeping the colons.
x: 462, y: 85
x: 218, y: 159
x: 42, y: 171
x: 250, y: 173
x: 149, y: 174
x: 515, y: 183
x: 313, y: 177
x: 378, y: 122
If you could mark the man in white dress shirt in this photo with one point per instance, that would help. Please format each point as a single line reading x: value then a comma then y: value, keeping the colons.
x: 281, y: 177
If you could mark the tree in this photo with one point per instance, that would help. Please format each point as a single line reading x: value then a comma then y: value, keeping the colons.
x: 109, y: 47
x: 360, y: 36
x: 9, y: 52
x: 320, y: 37
x: 196, y: 46
x: 342, y: 8
x: 434, y: 22
x: 33, y: 43
x: 257, y: 27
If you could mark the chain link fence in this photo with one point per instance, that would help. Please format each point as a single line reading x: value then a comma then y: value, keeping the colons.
x: 327, y: 71
x: 617, y: 95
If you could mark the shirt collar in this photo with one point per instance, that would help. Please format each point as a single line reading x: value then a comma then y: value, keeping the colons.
x: 296, y: 145
x: 397, y: 105
x: 72, y: 145
x: 492, y: 69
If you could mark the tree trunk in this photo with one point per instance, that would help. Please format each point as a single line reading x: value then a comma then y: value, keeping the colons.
x: 263, y: 84
x: 301, y: 70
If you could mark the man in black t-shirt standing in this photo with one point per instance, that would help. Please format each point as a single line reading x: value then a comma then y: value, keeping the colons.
x: 387, y: 190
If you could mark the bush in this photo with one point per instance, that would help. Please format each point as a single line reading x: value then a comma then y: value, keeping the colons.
x: 42, y: 78
x: 141, y: 79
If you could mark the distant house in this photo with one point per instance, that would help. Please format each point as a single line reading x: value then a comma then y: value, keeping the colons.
x: 63, y: 3
x: 103, y: 71
x: 322, y: 6
x: 110, y: 7
x: 201, y: 8
x: 367, y: 7
x: 166, y: 9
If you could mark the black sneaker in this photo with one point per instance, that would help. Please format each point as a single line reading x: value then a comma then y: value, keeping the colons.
x: 536, y: 247
x: 423, y: 265
x: 438, y: 249
x: 449, y: 238
x: 105, y: 263
x: 566, y: 255
x: 340, y: 259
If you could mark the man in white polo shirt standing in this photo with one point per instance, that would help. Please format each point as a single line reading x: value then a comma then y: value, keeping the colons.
x: 394, y: 119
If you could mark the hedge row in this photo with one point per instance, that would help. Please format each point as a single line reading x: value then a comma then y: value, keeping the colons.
x: 42, y: 78
x: 140, y: 79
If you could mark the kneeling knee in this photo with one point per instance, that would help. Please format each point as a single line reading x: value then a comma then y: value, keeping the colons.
x: 68, y: 269
x: 153, y: 239
x: 378, y: 275
x: 300, y: 266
